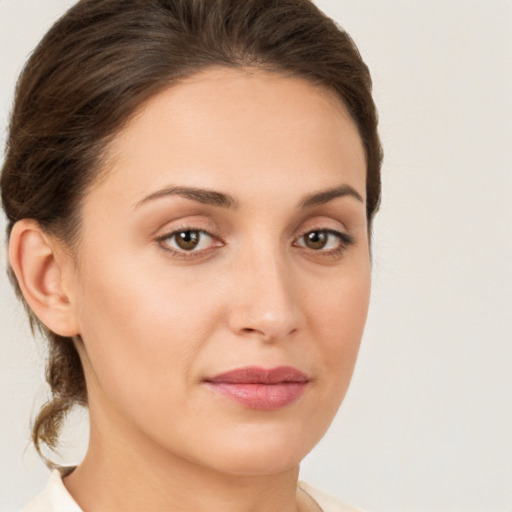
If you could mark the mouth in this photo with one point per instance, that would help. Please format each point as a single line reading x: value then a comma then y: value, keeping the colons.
x: 259, y: 388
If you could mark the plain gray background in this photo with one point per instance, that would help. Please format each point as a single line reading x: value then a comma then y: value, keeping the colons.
x: 427, y: 423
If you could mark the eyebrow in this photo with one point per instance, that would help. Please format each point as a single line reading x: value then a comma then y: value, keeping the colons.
x: 200, y: 195
x: 328, y: 195
x: 223, y: 200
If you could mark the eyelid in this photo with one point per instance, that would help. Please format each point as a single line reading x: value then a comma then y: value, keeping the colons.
x: 345, y: 240
x: 345, y: 237
x: 217, y: 241
x: 182, y: 253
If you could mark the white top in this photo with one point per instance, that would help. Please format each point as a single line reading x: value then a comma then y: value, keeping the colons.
x: 56, y: 498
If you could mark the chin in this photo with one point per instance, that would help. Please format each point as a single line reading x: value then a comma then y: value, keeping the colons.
x: 262, y: 452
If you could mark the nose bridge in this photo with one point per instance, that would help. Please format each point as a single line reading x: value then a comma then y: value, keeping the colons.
x: 265, y: 303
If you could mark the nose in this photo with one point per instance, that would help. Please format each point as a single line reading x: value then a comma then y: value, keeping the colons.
x: 265, y: 300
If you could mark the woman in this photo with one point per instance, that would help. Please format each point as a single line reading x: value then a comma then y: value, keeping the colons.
x: 189, y: 187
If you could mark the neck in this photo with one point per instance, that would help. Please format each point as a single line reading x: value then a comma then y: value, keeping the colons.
x: 125, y: 471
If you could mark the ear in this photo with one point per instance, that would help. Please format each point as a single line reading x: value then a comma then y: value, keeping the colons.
x: 43, y: 270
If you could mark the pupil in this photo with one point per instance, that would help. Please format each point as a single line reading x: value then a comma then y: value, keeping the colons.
x: 316, y: 239
x: 187, y: 239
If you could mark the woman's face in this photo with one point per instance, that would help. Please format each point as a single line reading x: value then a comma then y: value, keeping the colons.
x: 222, y: 280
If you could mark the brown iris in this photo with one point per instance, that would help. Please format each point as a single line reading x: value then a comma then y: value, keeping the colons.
x: 187, y: 240
x: 316, y: 239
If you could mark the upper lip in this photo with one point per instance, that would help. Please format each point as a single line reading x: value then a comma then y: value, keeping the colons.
x: 257, y: 375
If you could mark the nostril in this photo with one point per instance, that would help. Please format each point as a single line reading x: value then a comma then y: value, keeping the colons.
x: 262, y: 334
x: 249, y: 330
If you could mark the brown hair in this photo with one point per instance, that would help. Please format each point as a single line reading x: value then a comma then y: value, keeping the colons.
x: 101, y: 61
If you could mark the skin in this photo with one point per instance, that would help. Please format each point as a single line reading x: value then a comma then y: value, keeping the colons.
x: 153, y: 324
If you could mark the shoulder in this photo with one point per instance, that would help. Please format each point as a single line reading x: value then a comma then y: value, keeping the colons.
x: 55, y: 498
x: 326, y: 502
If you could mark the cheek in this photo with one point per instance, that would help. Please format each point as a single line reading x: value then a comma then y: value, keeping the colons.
x: 338, y: 316
x: 141, y: 327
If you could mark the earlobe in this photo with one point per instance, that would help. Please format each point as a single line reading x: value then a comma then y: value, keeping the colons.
x: 39, y: 268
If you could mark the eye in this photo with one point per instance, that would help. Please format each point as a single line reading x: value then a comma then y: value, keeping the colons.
x: 188, y: 240
x: 325, y: 240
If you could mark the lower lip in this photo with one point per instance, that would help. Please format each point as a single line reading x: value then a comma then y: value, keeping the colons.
x: 263, y: 397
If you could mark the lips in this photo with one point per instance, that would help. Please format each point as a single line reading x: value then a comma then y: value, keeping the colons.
x: 260, y: 388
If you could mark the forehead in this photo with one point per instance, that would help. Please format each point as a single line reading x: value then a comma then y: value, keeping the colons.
x: 222, y: 124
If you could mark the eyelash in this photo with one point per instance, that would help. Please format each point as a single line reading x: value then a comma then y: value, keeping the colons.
x: 182, y: 253
x: 344, y: 241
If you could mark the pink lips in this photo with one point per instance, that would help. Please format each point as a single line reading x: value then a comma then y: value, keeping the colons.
x: 259, y: 388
